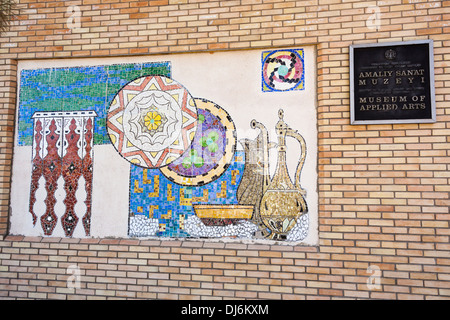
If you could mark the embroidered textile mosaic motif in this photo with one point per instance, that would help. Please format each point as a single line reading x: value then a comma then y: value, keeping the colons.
x: 62, y: 148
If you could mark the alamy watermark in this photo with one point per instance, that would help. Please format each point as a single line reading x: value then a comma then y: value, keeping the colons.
x: 74, y: 20
x: 373, y: 22
x: 374, y: 281
x: 74, y: 280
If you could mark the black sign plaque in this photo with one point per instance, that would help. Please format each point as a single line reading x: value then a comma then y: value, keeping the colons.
x: 392, y: 83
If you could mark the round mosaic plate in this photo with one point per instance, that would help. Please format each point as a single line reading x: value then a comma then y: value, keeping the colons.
x: 152, y: 121
x: 211, y: 151
x: 283, y: 70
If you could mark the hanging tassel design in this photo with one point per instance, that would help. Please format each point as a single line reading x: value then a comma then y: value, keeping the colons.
x: 63, y: 147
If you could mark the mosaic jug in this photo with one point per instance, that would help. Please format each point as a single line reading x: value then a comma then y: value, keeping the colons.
x: 283, y: 201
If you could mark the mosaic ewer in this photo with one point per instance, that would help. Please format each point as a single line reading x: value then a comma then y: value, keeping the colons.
x: 282, y: 201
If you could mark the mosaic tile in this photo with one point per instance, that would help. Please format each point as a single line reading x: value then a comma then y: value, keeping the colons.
x: 62, y: 148
x: 152, y: 120
x: 142, y: 226
x: 155, y: 196
x: 211, y: 150
x: 76, y: 88
x: 283, y: 70
x: 300, y: 231
x: 187, y: 178
x: 278, y: 201
x: 241, y: 229
x: 243, y: 202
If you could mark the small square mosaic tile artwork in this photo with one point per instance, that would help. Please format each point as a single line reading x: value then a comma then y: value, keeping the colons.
x: 283, y: 70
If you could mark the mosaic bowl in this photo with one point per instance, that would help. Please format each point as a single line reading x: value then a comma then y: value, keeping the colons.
x: 220, y: 215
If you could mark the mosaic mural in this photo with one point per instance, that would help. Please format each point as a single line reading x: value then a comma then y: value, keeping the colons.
x: 60, y: 114
x: 190, y: 173
x: 283, y: 70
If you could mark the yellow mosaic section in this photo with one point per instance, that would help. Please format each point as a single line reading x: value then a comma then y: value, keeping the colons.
x: 224, y: 211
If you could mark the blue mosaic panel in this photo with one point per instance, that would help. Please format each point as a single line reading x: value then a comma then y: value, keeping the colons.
x: 156, y: 197
x: 77, y: 88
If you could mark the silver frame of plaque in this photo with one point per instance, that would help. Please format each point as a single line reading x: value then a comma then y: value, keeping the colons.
x: 393, y: 121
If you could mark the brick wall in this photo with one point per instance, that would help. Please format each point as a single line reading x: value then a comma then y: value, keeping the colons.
x: 384, y: 189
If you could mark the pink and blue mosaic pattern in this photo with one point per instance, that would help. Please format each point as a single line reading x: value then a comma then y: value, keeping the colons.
x: 283, y: 70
